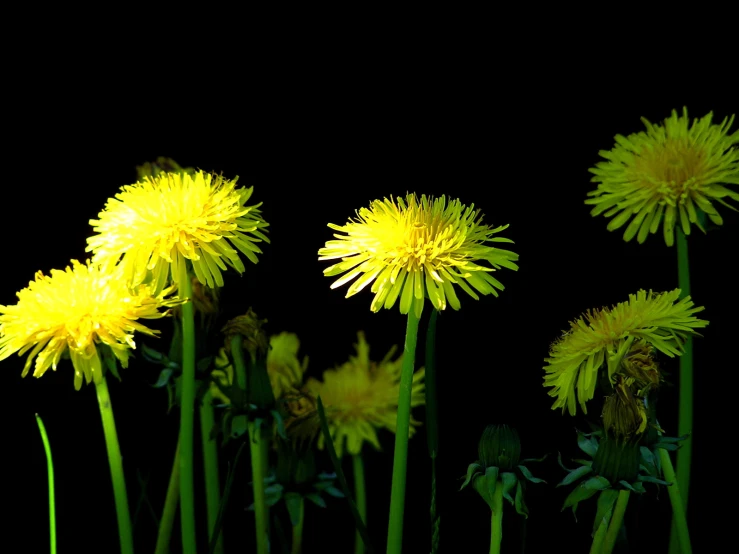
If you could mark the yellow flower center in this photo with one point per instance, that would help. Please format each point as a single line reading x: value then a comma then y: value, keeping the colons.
x: 671, y: 168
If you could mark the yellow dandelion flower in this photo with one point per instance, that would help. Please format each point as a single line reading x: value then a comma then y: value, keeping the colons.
x: 361, y: 396
x: 75, y: 311
x: 604, y: 337
x: 671, y: 171
x: 284, y: 368
x: 415, y: 249
x: 157, y: 223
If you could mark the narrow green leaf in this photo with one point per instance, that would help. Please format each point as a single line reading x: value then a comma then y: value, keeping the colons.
x: 574, y: 475
x: 526, y: 473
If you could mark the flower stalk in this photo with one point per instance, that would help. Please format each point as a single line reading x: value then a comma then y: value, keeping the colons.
x: 400, y: 455
x: 125, y: 533
x: 187, y: 414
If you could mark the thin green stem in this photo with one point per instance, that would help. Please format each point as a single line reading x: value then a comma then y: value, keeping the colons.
x: 496, y: 519
x: 432, y: 423
x: 50, y: 480
x: 360, y: 496
x: 616, y: 521
x: 600, y: 534
x: 226, y: 493
x: 297, y: 544
x: 210, y: 467
x: 340, y: 475
x: 257, y: 443
x: 400, y: 455
x: 125, y: 533
x: 685, y: 390
x: 170, y: 506
x: 187, y: 414
x: 678, y: 510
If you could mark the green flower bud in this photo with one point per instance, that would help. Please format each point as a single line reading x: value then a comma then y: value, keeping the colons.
x: 617, y: 460
x: 499, y: 447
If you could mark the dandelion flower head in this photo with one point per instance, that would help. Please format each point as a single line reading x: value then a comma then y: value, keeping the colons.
x: 73, y: 312
x: 605, y: 336
x: 412, y: 249
x: 666, y: 175
x: 361, y: 396
x: 159, y: 222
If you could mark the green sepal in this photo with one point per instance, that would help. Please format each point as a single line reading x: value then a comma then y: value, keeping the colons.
x: 584, y: 491
x: 582, y: 462
x: 164, y: 377
x: 508, y: 481
x: 280, y: 423
x: 520, y: 505
x: 110, y: 360
x: 587, y: 443
x: 293, y: 501
x: 574, y: 475
x: 526, y: 473
x: 529, y: 460
x: 204, y: 364
x: 316, y: 499
x: 239, y: 425
x: 650, y: 479
x: 333, y: 491
x: 636, y: 486
x: 175, y: 347
x: 606, y: 500
x: 472, y: 470
x: 559, y: 461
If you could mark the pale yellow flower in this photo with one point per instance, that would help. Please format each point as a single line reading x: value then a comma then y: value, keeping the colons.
x: 603, y: 337
x: 667, y: 176
x: 361, y: 396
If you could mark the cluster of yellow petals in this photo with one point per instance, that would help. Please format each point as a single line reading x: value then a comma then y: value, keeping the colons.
x: 75, y: 312
x: 604, y: 336
x: 153, y: 226
x: 670, y: 174
x: 412, y: 249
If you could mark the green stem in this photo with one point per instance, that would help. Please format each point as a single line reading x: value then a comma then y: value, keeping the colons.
x: 210, y: 467
x: 297, y: 544
x: 258, y: 443
x: 600, y: 534
x: 170, y: 506
x: 678, y: 510
x: 187, y: 414
x: 685, y: 391
x: 432, y: 423
x: 496, y: 520
x: 361, y: 499
x: 400, y: 455
x: 340, y: 475
x: 116, y: 467
x: 50, y: 480
x: 616, y: 520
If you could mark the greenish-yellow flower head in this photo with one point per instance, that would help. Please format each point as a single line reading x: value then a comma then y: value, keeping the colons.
x: 158, y: 223
x: 361, y: 396
x: 603, y: 337
x: 415, y: 249
x: 667, y: 175
x: 74, y: 312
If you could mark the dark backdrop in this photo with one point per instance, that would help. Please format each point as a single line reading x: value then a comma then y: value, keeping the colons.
x: 318, y: 141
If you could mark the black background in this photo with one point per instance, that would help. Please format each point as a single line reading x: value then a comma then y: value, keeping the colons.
x: 319, y: 138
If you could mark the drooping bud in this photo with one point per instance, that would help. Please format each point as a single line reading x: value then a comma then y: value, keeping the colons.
x: 624, y: 414
x: 251, y: 328
x: 640, y: 369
